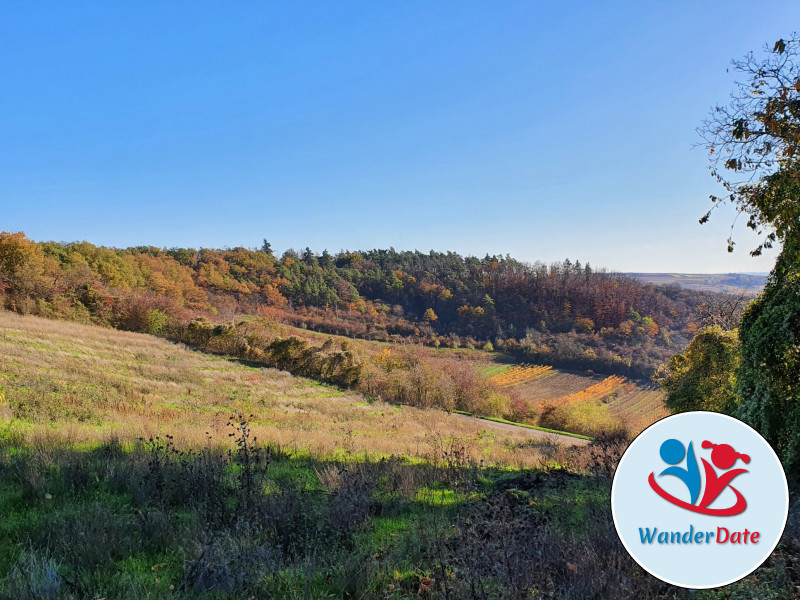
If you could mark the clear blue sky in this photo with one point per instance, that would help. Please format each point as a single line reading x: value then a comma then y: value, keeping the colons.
x: 545, y: 130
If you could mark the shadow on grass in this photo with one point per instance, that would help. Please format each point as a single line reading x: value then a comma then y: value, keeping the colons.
x: 149, y: 520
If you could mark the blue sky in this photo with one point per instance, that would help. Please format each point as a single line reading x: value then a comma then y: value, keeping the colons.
x: 540, y: 129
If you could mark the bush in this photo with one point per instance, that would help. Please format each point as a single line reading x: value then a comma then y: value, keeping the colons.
x: 156, y: 320
x: 586, y: 417
x: 703, y: 377
x: 34, y: 577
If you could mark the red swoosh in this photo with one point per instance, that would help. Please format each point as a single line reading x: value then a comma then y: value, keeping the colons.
x: 737, y: 508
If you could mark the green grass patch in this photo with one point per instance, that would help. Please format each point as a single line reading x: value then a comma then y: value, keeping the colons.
x: 439, y: 497
x: 492, y: 370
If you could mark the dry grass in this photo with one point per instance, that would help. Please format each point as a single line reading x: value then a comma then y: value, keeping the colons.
x: 80, y: 383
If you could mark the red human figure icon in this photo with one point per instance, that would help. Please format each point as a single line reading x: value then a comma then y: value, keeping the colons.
x: 724, y: 457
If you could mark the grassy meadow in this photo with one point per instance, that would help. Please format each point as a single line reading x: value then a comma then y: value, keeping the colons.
x: 63, y: 381
x: 133, y: 468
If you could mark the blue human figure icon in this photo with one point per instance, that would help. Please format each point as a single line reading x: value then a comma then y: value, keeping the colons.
x: 672, y: 452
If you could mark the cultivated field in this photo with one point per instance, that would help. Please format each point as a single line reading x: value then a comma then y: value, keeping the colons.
x: 81, y: 383
x: 638, y: 406
x: 519, y: 374
x: 556, y: 385
x: 581, y: 402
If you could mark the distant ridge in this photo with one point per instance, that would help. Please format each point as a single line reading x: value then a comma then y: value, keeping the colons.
x: 731, y: 283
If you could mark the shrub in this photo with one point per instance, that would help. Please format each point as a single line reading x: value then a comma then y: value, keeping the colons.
x: 703, y: 377
x: 156, y: 320
x: 34, y: 577
x: 586, y: 417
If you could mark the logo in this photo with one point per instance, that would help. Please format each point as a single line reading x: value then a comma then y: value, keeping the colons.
x: 723, y: 457
x: 699, y: 500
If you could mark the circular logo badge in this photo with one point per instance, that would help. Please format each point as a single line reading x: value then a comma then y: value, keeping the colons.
x: 699, y: 499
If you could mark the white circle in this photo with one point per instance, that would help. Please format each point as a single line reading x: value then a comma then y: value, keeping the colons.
x: 641, y: 512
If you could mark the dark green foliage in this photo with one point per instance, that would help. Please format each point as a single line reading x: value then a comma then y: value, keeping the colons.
x: 326, y: 363
x: 260, y: 341
x: 703, y: 377
x: 769, y: 377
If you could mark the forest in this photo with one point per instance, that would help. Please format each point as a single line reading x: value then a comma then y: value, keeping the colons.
x: 566, y: 314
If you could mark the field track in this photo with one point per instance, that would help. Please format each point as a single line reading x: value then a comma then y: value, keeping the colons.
x: 566, y: 440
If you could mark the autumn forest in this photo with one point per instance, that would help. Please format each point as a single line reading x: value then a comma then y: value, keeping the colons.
x: 567, y: 314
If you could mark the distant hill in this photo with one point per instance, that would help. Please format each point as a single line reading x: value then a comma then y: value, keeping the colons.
x: 731, y: 283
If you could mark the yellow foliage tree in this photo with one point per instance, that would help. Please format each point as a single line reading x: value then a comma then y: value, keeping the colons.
x: 21, y: 266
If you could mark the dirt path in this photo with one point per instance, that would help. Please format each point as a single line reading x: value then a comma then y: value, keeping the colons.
x: 535, y: 433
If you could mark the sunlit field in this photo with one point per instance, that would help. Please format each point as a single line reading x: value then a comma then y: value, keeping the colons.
x: 86, y: 384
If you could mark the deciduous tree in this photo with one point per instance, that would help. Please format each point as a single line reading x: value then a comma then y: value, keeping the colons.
x: 21, y: 266
x: 754, y: 145
x: 703, y: 377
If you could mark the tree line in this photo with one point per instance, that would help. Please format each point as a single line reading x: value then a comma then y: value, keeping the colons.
x: 566, y: 314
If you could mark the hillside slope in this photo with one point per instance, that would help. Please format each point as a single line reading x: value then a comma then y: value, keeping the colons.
x: 82, y: 383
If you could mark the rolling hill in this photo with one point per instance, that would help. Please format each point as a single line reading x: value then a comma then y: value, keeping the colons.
x: 729, y: 283
x: 83, y: 383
